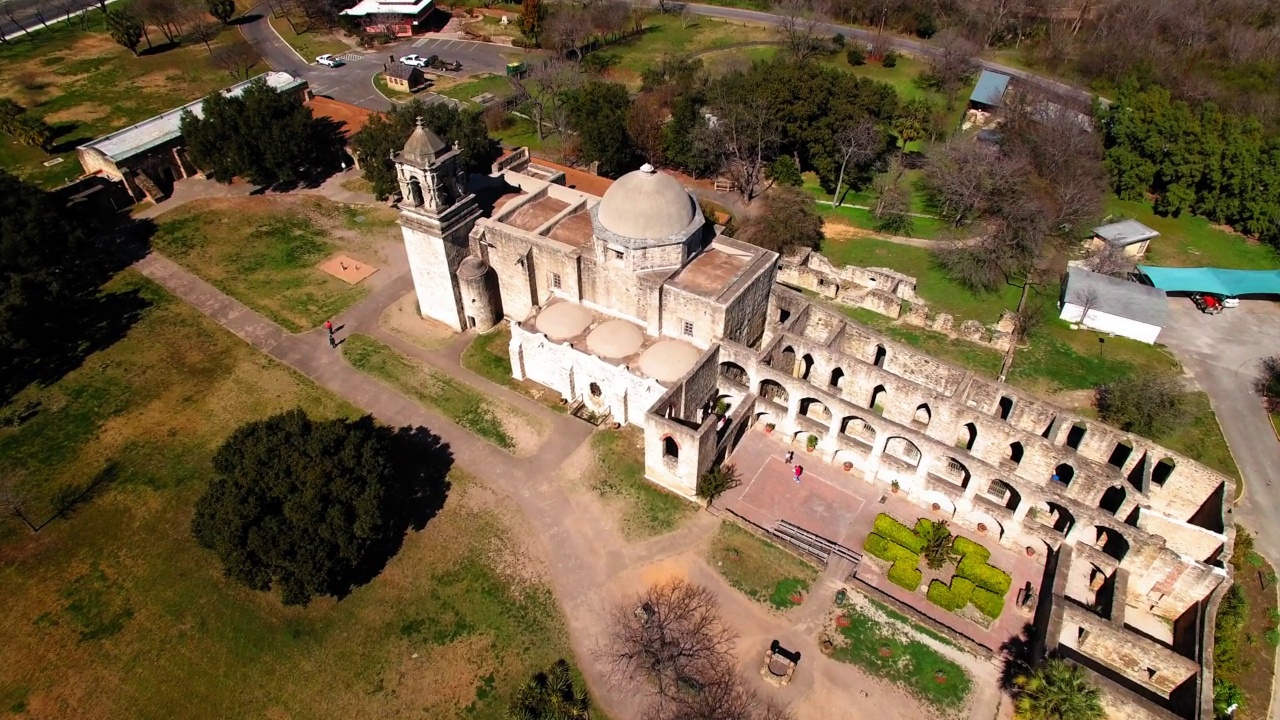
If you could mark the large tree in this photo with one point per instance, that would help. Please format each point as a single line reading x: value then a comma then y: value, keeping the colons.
x: 313, y: 507
x: 387, y: 133
x: 263, y: 136
x: 125, y: 29
x: 1147, y: 404
x: 1057, y: 690
x: 598, y: 114
x: 788, y: 220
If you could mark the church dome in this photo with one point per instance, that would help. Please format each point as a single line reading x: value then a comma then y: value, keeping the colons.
x: 647, y: 205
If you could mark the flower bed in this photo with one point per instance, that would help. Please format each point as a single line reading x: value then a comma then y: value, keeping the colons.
x: 903, y: 572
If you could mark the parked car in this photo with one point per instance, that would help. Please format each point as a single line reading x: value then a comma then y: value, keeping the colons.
x: 330, y: 61
x: 438, y: 64
x: 1206, y: 303
x: 1230, y: 302
x: 415, y: 61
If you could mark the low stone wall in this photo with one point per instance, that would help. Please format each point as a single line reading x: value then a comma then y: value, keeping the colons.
x: 888, y: 293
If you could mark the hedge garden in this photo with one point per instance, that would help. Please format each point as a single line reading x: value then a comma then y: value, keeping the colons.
x: 975, y: 582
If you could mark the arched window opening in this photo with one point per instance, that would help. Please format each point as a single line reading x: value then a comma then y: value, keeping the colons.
x: 783, y: 315
x: 787, y: 361
x: 815, y: 410
x: 806, y: 364
x: 733, y: 372
x: 858, y: 429
x: 1063, y: 474
x: 837, y: 376
x: 1076, y: 435
x: 923, y: 415
x: 1163, y: 470
x: 415, y: 192
x: 968, y: 436
x: 880, y: 355
x: 1111, y: 542
x: 1005, y: 409
x: 1120, y: 454
x: 1113, y: 499
x: 670, y: 450
x: 1015, y: 452
x: 878, y: 396
x: 1003, y: 493
x: 772, y: 390
x: 903, y: 450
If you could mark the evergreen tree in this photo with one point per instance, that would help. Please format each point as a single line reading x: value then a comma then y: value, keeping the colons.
x: 223, y: 10
x: 552, y: 695
x: 532, y: 15
x: 125, y: 29
x: 598, y: 114
x: 1057, y: 690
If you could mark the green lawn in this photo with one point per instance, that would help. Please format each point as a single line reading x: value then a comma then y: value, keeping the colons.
x: 487, y: 418
x: 498, y: 85
x: 906, y: 662
x: 114, y: 611
x: 521, y: 133
x: 1201, y: 438
x: 388, y: 92
x: 933, y: 286
x: 1060, y: 358
x: 489, y: 357
x: 264, y: 251
x: 309, y: 43
x: 664, y: 35
x: 85, y: 85
x: 759, y: 568
x: 1191, y: 241
x: 981, y: 360
x: 618, y: 474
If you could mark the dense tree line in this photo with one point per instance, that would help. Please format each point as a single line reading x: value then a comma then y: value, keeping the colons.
x: 1194, y: 159
x: 261, y: 135
x: 386, y: 133
x: 314, y: 507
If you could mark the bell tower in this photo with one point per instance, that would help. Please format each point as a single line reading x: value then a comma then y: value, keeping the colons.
x: 436, y: 217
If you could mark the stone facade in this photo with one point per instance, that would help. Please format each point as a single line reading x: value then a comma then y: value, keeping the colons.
x: 657, y: 329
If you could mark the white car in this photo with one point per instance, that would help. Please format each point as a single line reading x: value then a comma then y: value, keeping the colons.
x: 329, y: 61
x: 414, y: 61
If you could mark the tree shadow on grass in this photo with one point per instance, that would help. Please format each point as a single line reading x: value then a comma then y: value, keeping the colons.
x: 246, y: 19
x: 421, y: 485
x: 158, y: 49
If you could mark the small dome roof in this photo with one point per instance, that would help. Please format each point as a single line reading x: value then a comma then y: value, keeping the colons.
x: 668, y: 360
x: 472, y: 267
x: 646, y: 204
x: 423, y: 145
x: 563, y: 320
x: 615, y: 339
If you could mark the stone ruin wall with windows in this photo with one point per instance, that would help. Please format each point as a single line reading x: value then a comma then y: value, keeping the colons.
x: 887, y: 293
x: 1141, y: 520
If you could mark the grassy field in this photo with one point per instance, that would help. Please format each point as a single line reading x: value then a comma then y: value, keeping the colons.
x: 264, y: 251
x: 1191, y: 241
x: 521, y: 133
x: 1247, y: 622
x: 981, y: 360
x: 664, y: 35
x: 618, y: 475
x: 908, y: 663
x: 934, y: 287
x: 492, y: 420
x: 489, y: 357
x: 1060, y: 358
x: 85, y: 85
x: 464, y: 91
x: 1201, y: 438
x: 307, y: 43
x: 757, y: 567
x: 114, y: 611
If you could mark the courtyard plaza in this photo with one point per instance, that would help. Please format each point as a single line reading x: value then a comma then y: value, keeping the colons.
x: 841, y: 506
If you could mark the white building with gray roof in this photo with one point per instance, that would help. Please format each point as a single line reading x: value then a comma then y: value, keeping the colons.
x: 1111, y: 305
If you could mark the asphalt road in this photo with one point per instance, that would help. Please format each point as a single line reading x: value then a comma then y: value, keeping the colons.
x: 1222, y: 353
x: 353, y: 82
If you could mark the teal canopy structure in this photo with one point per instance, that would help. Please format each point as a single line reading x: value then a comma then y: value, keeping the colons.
x: 1218, y: 281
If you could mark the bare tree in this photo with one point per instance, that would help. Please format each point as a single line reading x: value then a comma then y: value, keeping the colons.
x: 954, y: 64
x: 893, y: 200
x: 1111, y: 260
x: 9, y: 9
x: 668, y: 639
x: 610, y: 18
x: 546, y: 89
x: 237, y: 59
x: 1086, y: 298
x: 965, y: 179
x: 565, y: 30
x: 645, y: 119
x: 200, y: 25
x: 165, y: 15
x: 687, y: 16
x: 859, y: 142
x: 1267, y: 384
x: 799, y: 24
x: 13, y: 505
x: 746, y: 132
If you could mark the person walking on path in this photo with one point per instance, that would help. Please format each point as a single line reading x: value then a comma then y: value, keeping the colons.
x: 333, y: 344
x: 328, y: 325
x: 798, y: 470
x: 790, y: 454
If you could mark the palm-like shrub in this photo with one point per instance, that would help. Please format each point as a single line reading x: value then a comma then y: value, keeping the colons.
x: 552, y: 695
x: 1057, y: 690
x: 938, y: 549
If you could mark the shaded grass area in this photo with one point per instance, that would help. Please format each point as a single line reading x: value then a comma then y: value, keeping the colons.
x: 665, y: 35
x: 618, y: 474
x: 454, y: 400
x: 933, y: 286
x: 1192, y: 241
x: 886, y: 650
x: 264, y: 252
x: 489, y: 356
x: 85, y: 85
x: 498, y: 85
x: 759, y: 568
x: 308, y: 43
x: 521, y: 132
x: 1244, y: 653
x: 1201, y: 438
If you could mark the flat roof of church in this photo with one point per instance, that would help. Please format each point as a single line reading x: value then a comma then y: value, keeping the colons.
x: 534, y: 214
x: 712, y: 272
x: 575, y: 230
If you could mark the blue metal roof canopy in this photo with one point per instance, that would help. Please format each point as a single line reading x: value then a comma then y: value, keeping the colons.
x: 990, y: 88
x: 1218, y: 281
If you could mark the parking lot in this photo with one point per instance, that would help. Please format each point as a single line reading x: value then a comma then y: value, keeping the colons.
x: 1222, y: 352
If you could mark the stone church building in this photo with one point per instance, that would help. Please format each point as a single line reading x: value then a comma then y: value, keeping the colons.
x: 635, y: 306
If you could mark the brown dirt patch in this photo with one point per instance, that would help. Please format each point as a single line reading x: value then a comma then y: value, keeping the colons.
x: 509, y: 553
x: 840, y: 231
x: 160, y: 80
x: 94, y: 44
x: 441, y: 680
x: 347, y: 269
x: 403, y: 320
x: 86, y: 113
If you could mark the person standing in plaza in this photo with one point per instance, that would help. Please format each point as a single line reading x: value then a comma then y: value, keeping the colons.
x: 790, y: 454
x: 328, y: 325
x: 798, y: 470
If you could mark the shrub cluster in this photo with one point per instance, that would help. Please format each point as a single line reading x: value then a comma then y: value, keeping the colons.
x: 969, y: 548
x: 951, y: 597
x: 985, y: 576
x: 988, y: 603
x: 895, y: 531
x: 904, y: 572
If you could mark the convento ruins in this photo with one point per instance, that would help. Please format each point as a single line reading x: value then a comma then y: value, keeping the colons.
x: 633, y: 306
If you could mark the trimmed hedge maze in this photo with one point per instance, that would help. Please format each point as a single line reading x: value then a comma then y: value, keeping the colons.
x: 976, y: 582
